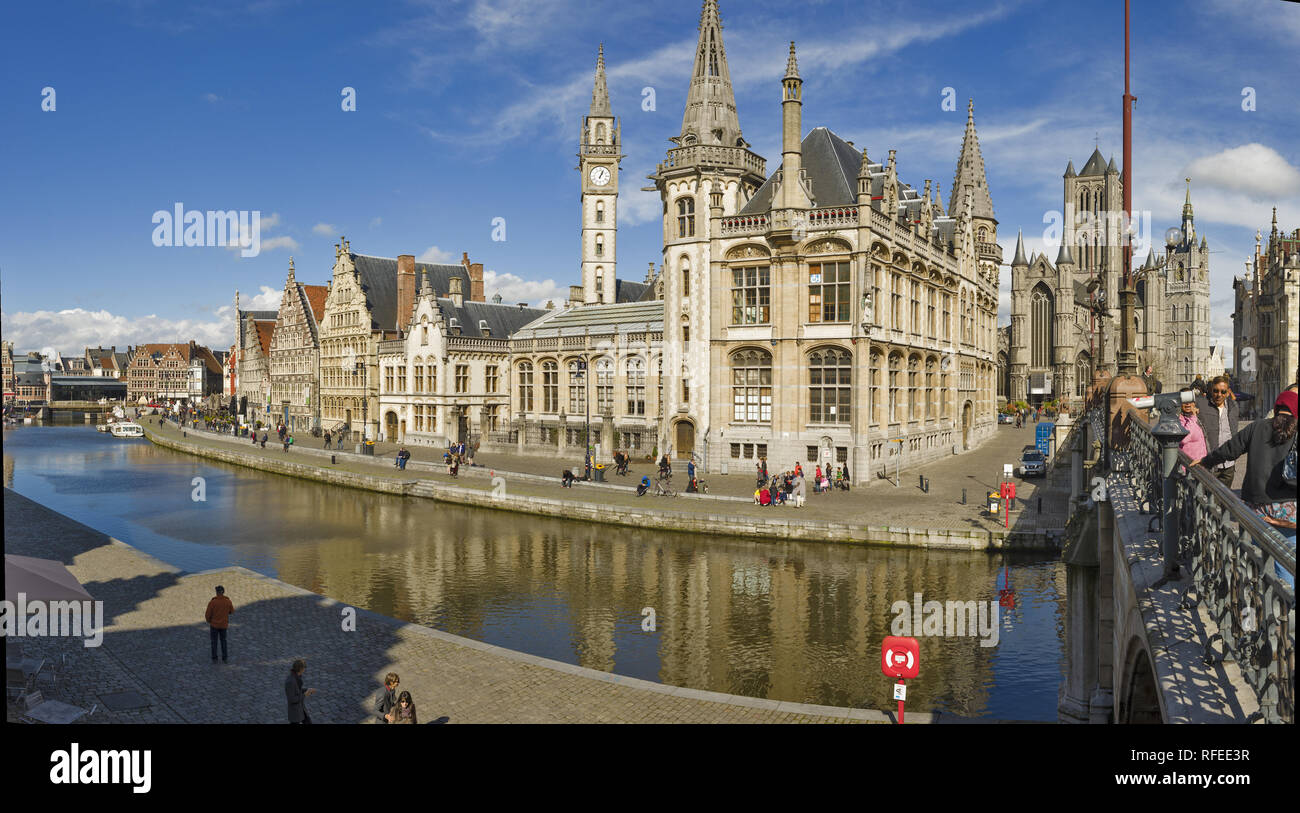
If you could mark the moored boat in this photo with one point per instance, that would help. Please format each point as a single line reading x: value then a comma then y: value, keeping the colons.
x: 126, y: 429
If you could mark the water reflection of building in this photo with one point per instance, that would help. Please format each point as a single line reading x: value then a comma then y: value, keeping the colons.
x: 798, y: 622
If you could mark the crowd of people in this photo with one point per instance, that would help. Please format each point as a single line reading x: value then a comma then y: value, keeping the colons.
x: 791, y: 486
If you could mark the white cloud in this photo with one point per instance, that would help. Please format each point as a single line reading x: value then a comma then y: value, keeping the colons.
x: 211, y: 98
x: 268, y: 299
x: 636, y: 207
x: 433, y: 254
x: 514, y: 288
x: 71, y: 331
x: 375, y: 221
x: 325, y: 229
x: 279, y: 242
x: 1251, y: 169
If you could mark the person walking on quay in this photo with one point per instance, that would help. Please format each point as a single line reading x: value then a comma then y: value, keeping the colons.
x: 264, y: 436
x: 1193, y: 443
x: 389, y: 698
x: 218, y: 617
x: 327, y: 439
x: 402, y: 457
x: 296, y: 695
x: 1219, y: 416
x: 844, y: 472
x: 1269, y: 487
x: 800, y: 491
x: 404, y: 711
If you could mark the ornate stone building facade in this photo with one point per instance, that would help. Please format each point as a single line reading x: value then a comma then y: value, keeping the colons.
x: 294, y: 357
x: 1273, y: 302
x: 448, y: 379
x: 827, y: 310
x: 593, y: 372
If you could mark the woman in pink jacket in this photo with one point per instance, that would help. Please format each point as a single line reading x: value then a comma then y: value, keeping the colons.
x: 1193, y: 444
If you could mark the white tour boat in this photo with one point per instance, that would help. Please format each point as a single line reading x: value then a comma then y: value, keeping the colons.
x: 126, y: 429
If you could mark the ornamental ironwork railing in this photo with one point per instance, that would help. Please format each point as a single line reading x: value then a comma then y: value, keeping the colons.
x: 1234, y: 558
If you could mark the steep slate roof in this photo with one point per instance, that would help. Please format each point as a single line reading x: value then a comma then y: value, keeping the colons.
x: 258, y: 315
x: 502, y: 320
x: 970, y: 174
x: 831, y: 166
x: 1096, y: 164
x: 628, y: 291
x: 379, y: 282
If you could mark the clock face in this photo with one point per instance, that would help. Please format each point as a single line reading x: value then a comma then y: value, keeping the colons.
x: 599, y: 175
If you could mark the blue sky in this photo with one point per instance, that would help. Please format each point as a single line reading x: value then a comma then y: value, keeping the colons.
x: 469, y: 111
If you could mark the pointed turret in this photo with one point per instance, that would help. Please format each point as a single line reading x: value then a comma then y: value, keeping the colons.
x: 1069, y: 171
x: 1111, y: 166
x: 864, y: 180
x: 793, y: 194
x: 291, y: 270
x: 1063, y: 256
x: 600, y: 90
x: 1019, y: 259
x: 1096, y: 164
x: 710, y: 116
x: 970, y: 173
x: 938, y: 200
x: 1151, y: 258
x: 1189, y: 224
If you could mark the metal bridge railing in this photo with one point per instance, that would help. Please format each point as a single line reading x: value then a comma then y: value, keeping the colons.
x: 1231, y: 553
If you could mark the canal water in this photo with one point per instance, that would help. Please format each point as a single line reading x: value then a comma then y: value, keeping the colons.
x: 786, y: 621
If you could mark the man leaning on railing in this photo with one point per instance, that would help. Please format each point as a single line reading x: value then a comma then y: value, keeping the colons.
x: 1270, y: 486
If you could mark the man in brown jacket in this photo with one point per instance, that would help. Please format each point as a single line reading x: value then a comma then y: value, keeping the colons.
x: 218, y: 618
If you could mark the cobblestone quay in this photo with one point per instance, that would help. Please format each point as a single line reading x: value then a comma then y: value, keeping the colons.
x: 156, y: 645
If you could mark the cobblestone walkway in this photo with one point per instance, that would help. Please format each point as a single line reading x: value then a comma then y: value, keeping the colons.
x: 156, y: 644
x: 878, y: 502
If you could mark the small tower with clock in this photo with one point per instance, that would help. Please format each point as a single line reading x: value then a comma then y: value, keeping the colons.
x: 598, y: 160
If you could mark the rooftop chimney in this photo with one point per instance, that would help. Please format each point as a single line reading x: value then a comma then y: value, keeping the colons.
x: 457, y: 294
x: 476, y: 282
x: 405, y: 290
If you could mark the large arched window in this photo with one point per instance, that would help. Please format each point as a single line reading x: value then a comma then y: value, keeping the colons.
x: 685, y: 217
x: 829, y: 379
x: 605, y: 385
x: 1082, y: 374
x: 751, y: 386
x: 431, y: 376
x: 895, y: 370
x: 577, y: 387
x: 550, y: 386
x: 914, y: 388
x: 1041, y: 318
x: 636, y: 386
x: 930, y: 403
x: 525, y: 386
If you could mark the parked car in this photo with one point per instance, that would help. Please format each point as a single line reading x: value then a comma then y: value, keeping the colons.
x: 1005, y: 418
x: 1032, y: 463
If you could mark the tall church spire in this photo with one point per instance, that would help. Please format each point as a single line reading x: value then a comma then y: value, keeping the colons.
x: 970, y: 173
x: 600, y: 92
x: 710, y: 116
x: 1189, y: 225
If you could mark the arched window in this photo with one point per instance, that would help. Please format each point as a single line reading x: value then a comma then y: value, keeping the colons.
x: 419, y: 375
x: 751, y: 386
x: 600, y: 245
x: 983, y: 235
x: 829, y: 379
x: 874, y: 383
x: 431, y: 376
x: 1041, y: 319
x: 550, y: 386
x: 636, y: 386
x: 895, y: 370
x: 600, y: 211
x: 600, y: 133
x: 1082, y: 374
x: 525, y: 386
x: 930, y: 391
x: 605, y: 385
x: 686, y: 277
x: 685, y: 218
x: 914, y: 388
x: 686, y: 329
x: 600, y: 282
x: 577, y: 387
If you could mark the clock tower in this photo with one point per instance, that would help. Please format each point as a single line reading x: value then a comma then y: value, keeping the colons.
x: 598, y: 160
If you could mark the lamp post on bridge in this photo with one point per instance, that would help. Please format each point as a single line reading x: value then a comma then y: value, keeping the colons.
x: 1169, y: 432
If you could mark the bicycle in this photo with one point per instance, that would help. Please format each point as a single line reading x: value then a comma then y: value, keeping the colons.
x: 664, y: 487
